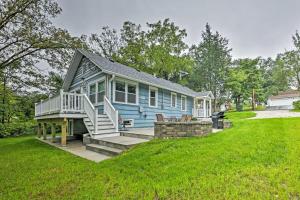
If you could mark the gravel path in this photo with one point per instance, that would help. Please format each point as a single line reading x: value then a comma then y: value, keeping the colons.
x: 275, y: 114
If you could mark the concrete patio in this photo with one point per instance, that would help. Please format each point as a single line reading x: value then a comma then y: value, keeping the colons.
x: 77, y: 148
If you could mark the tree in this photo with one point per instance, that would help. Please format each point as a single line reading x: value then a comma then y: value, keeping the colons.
x: 55, y: 82
x: 244, y: 81
x: 27, y: 35
x: 212, y: 58
x: 159, y: 51
x: 107, y: 44
x: 291, y: 61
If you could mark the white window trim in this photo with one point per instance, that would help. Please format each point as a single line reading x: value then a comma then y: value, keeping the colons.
x: 96, y: 82
x: 126, y: 91
x: 185, y: 107
x: 173, y: 93
x: 156, y: 96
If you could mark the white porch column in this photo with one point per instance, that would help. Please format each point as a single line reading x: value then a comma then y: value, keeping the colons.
x: 209, y: 107
x: 204, y: 107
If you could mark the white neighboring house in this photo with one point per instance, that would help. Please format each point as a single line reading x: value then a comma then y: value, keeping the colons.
x: 284, y: 100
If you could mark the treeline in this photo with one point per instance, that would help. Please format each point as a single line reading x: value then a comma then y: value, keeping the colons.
x: 34, y: 55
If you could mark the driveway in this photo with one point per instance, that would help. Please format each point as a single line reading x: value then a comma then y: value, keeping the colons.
x: 275, y: 114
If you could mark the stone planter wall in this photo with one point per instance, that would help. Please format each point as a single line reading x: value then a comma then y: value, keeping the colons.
x: 182, y: 129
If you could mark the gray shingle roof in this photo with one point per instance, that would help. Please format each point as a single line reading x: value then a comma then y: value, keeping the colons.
x: 133, y: 74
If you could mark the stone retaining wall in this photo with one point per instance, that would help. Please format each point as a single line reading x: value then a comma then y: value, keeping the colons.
x: 182, y: 129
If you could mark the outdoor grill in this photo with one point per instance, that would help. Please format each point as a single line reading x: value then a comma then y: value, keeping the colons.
x: 217, y: 119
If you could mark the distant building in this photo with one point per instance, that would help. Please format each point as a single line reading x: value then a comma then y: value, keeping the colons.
x: 284, y: 100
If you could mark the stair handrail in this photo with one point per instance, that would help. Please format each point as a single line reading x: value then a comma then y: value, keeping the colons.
x: 90, y: 111
x: 111, y: 112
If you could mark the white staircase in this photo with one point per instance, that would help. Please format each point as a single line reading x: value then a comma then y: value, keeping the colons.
x: 104, y: 128
x: 101, y: 125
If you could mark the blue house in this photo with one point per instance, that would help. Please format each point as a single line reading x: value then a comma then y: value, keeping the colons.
x: 99, y: 93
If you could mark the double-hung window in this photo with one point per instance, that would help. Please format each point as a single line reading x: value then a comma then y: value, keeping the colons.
x: 100, y: 91
x: 131, y: 93
x: 153, y: 97
x: 173, y: 100
x: 183, y: 103
x: 92, y: 93
x: 120, y: 92
x: 125, y: 92
x: 97, y: 92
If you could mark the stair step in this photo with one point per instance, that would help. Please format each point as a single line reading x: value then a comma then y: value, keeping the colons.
x: 135, y: 135
x: 105, y: 124
x: 102, y: 116
x: 101, y: 131
x: 119, y: 142
x: 104, y: 135
x: 109, y: 151
x: 105, y: 127
x: 103, y: 120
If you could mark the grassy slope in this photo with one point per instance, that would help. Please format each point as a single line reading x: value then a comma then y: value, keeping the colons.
x: 255, y: 159
x: 240, y: 115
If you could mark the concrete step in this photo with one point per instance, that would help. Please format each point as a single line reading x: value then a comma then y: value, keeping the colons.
x: 135, y: 135
x: 104, y: 135
x: 109, y: 151
x: 103, y: 131
x: 119, y: 142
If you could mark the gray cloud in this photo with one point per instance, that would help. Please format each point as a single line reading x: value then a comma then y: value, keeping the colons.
x: 253, y: 27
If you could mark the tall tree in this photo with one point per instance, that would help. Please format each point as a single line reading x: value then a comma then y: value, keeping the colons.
x: 160, y: 50
x: 27, y: 34
x: 212, y: 58
x: 107, y: 43
x: 244, y: 81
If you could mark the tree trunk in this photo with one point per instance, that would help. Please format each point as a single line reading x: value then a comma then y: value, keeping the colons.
x: 253, y: 99
x: 3, y: 100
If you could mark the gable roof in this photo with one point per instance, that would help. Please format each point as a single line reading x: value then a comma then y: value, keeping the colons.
x: 286, y: 94
x: 130, y: 73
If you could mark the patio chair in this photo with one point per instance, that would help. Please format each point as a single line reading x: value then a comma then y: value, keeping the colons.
x: 189, y: 118
x: 183, y: 118
x: 160, y: 118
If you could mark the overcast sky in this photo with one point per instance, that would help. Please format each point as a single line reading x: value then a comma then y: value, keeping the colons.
x: 253, y: 27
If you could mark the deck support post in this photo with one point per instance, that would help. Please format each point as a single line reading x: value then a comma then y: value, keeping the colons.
x: 53, y: 132
x: 64, y: 132
x: 39, y: 130
x: 44, y: 131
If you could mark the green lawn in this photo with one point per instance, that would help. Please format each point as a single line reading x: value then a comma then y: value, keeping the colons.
x: 239, y: 115
x: 256, y: 159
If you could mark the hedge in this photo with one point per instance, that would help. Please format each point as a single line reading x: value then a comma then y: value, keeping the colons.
x: 17, y: 128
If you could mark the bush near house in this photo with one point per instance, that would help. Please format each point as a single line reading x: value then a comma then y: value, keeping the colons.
x: 296, y: 105
x: 17, y: 128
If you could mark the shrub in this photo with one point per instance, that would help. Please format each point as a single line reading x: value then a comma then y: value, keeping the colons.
x: 296, y: 105
x: 17, y: 128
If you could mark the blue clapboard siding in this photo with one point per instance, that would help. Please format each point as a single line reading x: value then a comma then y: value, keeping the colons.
x: 85, y: 70
x: 148, y: 116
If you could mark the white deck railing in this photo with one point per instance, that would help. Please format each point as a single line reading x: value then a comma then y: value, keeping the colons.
x: 63, y: 102
x: 111, y: 112
x: 70, y: 103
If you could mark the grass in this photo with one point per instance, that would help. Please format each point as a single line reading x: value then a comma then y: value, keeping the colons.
x: 295, y: 110
x: 256, y: 159
x: 239, y: 115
